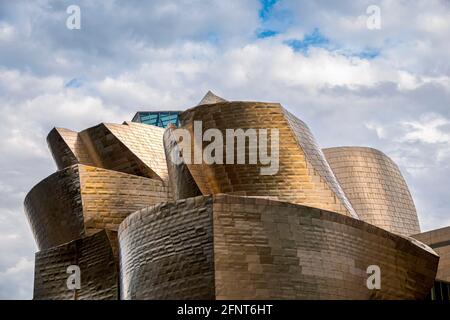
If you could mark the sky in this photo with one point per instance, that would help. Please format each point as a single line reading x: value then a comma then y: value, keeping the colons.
x: 386, y: 88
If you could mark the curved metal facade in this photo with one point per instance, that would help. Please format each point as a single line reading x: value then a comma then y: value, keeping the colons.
x: 166, y: 251
x: 67, y: 148
x: 295, y: 234
x: 229, y: 247
x: 376, y: 188
x: 54, y: 209
x: 81, y: 200
x: 304, y: 176
x: 94, y: 256
x: 182, y: 185
x: 131, y: 148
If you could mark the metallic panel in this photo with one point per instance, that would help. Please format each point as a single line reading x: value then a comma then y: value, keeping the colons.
x: 181, y: 182
x: 264, y: 249
x: 239, y: 243
x: 316, y: 159
x: 98, y: 270
x: 166, y: 251
x: 132, y: 148
x: 375, y: 187
x: 439, y: 240
x: 54, y: 209
x: 145, y: 142
x: 67, y: 148
x: 210, y: 98
x: 304, y: 176
x: 81, y: 200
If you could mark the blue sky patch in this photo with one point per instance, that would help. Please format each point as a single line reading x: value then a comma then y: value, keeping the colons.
x: 313, y: 39
x: 274, y: 17
x: 266, y: 33
x: 318, y: 40
x: 266, y: 8
x: 369, y: 53
x: 73, y: 83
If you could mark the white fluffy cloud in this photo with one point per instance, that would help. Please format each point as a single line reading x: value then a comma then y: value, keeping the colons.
x: 166, y: 55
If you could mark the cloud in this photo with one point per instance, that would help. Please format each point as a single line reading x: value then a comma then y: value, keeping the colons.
x: 17, y: 278
x: 6, y: 32
x: 430, y: 129
x: 388, y: 89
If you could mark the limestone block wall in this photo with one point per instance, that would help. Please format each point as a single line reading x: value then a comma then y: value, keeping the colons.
x: 439, y: 240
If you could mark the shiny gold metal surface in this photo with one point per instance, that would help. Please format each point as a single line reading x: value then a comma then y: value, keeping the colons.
x: 67, y: 148
x: 182, y: 185
x: 81, y: 200
x: 375, y: 187
x: 98, y: 270
x: 230, y: 247
x: 304, y: 176
x: 210, y: 98
x: 132, y: 148
x: 309, y: 231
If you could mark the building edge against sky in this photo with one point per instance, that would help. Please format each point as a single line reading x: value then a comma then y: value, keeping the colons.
x: 365, y: 188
